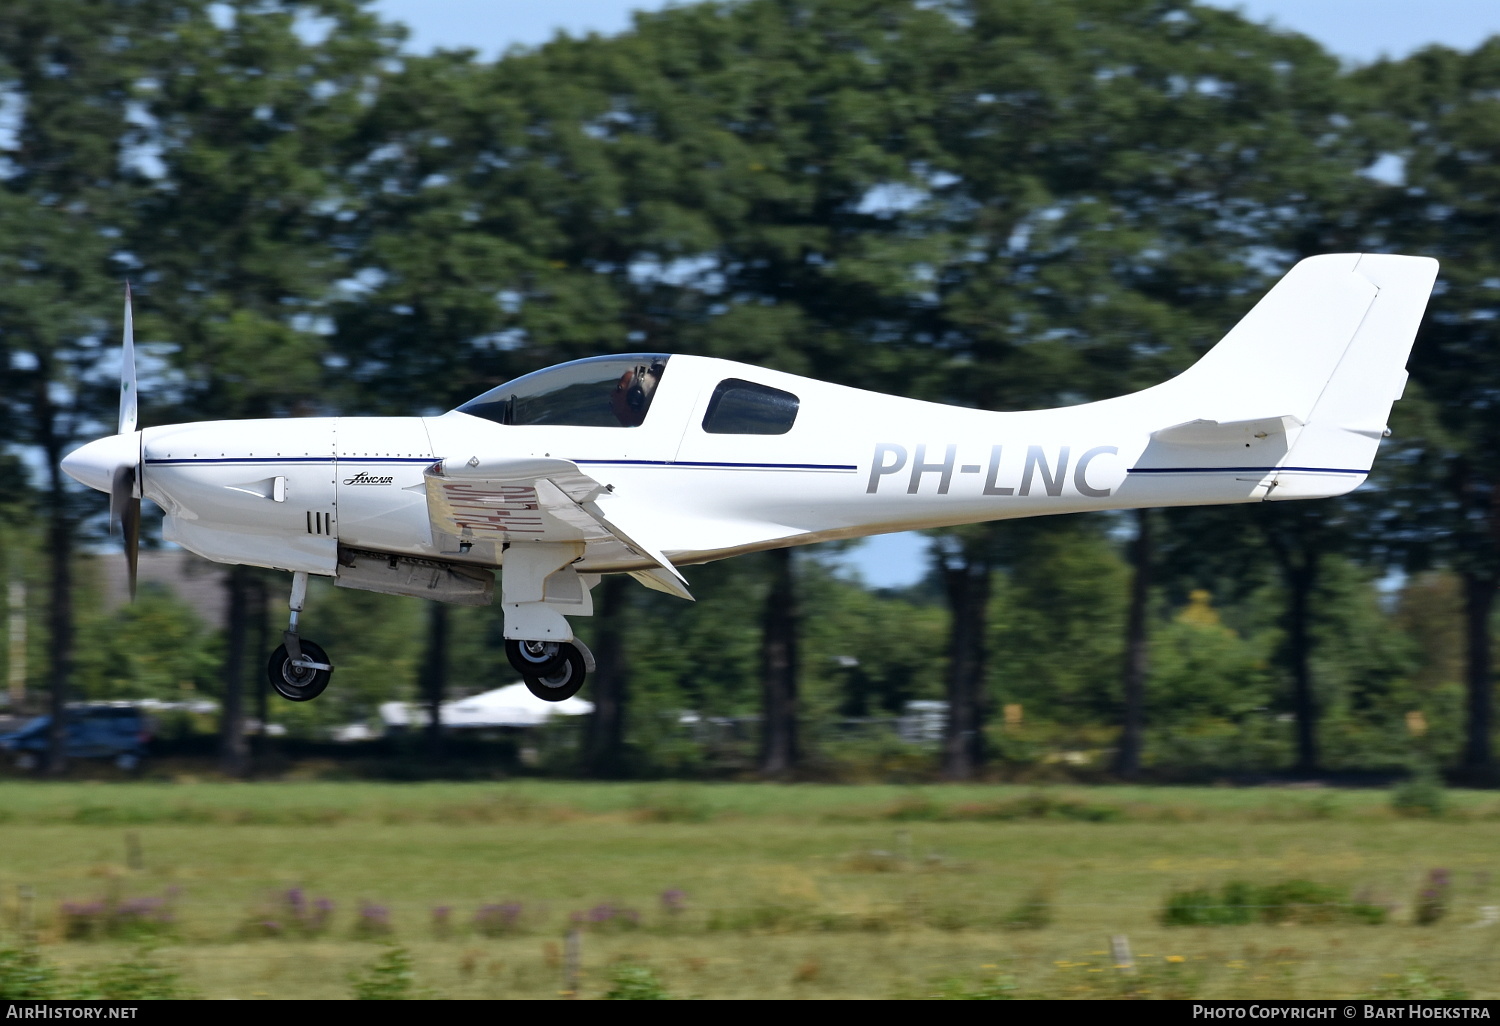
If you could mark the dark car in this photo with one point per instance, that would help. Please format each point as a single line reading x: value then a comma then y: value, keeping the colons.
x: 118, y: 732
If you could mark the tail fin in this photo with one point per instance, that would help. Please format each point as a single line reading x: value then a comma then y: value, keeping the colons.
x: 1320, y: 358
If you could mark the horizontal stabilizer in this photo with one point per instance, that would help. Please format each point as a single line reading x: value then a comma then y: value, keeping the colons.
x: 1214, y: 432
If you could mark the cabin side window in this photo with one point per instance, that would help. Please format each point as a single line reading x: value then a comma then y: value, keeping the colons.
x: 610, y: 391
x: 740, y: 407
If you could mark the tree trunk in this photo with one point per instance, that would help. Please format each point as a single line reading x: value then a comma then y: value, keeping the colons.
x: 1137, y: 646
x: 604, y: 744
x: 1479, y: 603
x: 779, y: 669
x: 262, y: 649
x: 1298, y: 548
x: 966, y: 579
x: 60, y: 560
x: 434, y: 676
x: 1301, y: 580
x: 233, y: 756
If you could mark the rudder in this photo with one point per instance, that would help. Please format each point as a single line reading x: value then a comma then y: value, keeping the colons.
x: 1336, y: 446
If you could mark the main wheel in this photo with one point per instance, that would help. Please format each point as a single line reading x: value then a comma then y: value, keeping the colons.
x: 535, y: 658
x: 298, y: 683
x: 563, y: 682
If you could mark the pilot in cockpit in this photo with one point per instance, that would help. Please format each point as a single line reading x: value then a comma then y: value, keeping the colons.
x: 632, y: 395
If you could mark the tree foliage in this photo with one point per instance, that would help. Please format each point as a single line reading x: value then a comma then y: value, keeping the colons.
x: 999, y: 203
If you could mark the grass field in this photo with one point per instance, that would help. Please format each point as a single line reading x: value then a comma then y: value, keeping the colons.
x: 730, y: 890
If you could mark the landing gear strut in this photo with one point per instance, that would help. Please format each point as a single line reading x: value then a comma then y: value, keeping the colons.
x: 299, y: 670
x: 553, y: 670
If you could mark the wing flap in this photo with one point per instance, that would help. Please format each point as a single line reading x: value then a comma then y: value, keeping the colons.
x: 537, y: 499
x: 664, y: 573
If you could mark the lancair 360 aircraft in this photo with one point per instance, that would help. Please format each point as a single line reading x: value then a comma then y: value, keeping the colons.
x: 643, y: 463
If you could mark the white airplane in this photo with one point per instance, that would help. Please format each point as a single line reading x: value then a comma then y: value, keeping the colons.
x: 644, y: 463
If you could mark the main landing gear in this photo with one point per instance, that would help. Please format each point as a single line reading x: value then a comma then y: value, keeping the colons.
x: 553, y: 670
x: 537, y: 589
x: 299, y: 670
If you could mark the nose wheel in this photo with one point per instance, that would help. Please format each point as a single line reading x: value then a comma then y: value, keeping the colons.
x: 553, y: 671
x: 303, y: 678
x: 299, y: 670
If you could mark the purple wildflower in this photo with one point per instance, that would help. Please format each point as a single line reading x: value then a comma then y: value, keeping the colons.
x: 493, y: 920
x: 374, y: 920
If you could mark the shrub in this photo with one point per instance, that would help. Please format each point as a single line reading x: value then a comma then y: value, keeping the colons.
x: 388, y: 978
x: 24, y: 976
x: 1420, y: 794
x: 139, y: 978
x: 132, y: 918
x: 1033, y: 913
x: 1035, y: 805
x: 1290, y: 901
x: 635, y: 983
x: 1201, y: 907
x: 1301, y: 901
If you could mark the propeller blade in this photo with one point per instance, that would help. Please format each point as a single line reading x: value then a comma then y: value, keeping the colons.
x: 121, y: 491
x: 127, y: 371
x: 125, y: 506
x: 130, y: 525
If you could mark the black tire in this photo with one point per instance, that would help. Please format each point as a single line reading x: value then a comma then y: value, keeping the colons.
x: 298, y: 683
x: 536, y: 658
x: 564, y: 682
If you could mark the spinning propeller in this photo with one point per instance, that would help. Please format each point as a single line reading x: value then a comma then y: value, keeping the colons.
x: 114, y: 464
x: 125, y: 482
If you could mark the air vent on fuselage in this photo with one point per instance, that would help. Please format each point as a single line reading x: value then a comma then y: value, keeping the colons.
x: 319, y: 523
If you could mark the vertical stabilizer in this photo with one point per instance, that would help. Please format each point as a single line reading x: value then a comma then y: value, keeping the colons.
x: 1296, y: 396
x: 1337, y: 445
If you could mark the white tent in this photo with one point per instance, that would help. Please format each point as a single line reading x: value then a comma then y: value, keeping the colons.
x: 512, y: 706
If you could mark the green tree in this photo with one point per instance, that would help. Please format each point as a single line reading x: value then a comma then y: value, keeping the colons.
x: 68, y: 70
x: 156, y: 647
x: 1441, y: 119
x: 254, y: 125
x: 1059, y: 621
x: 694, y: 185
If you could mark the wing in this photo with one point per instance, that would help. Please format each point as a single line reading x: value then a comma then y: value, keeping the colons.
x: 539, y: 499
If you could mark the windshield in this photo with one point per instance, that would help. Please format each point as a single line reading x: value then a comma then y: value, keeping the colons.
x: 606, y: 391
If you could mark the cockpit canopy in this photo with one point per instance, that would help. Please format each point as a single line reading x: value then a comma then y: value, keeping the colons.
x: 604, y: 391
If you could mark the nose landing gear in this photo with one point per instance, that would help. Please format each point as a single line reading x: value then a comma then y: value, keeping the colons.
x: 299, y: 670
x: 553, y: 670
